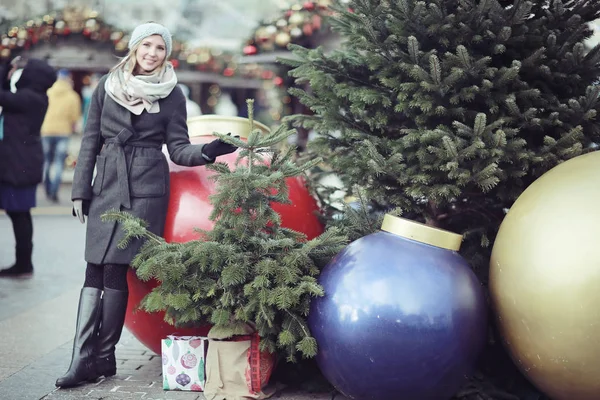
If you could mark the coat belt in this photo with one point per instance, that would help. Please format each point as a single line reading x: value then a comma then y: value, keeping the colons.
x: 120, y: 141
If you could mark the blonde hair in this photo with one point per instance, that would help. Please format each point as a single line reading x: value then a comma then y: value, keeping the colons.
x: 128, y: 63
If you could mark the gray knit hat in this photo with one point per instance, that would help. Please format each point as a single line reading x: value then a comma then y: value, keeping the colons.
x: 148, y: 29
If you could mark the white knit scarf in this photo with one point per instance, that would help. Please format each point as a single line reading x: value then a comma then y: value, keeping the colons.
x: 141, y: 92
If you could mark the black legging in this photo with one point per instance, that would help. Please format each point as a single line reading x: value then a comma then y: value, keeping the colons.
x: 111, y: 276
x: 23, y: 229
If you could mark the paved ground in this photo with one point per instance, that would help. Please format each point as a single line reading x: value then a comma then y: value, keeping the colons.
x: 37, y: 321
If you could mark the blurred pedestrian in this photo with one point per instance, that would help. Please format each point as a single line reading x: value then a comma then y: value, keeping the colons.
x: 64, y: 112
x: 21, y: 155
x: 135, y: 109
x: 90, y: 84
x: 226, y: 106
x: 192, y: 108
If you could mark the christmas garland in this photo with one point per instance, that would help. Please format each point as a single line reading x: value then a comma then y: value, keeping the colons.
x: 83, y: 22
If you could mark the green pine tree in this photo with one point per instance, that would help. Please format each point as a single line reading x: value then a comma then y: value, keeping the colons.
x: 248, y: 269
x: 448, y: 109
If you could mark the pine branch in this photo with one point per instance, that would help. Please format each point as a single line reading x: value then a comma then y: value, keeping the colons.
x: 135, y: 228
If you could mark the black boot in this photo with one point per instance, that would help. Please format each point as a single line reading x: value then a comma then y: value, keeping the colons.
x: 23, y: 267
x: 114, y: 306
x: 83, y: 362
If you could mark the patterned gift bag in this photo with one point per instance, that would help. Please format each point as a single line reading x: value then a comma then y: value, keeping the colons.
x: 183, y: 362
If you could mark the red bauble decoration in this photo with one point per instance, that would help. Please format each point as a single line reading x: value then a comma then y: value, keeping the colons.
x: 316, y: 21
x: 250, y: 50
x: 267, y: 74
x: 307, y: 29
x: 308, y: 5
x: 278, y: 81
x: 190, y: 208
x: 175, y: 63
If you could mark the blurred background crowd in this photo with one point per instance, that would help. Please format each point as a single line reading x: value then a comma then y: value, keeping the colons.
x: 224, y: 52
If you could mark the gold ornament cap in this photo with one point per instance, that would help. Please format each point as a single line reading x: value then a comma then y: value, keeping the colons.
x: 421, y: 232
x: 206, y: 125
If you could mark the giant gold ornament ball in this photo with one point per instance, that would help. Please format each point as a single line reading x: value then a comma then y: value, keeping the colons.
x: 545, y: 280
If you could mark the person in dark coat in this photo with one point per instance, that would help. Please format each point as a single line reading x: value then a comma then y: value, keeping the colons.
x: 21, y: 155
x: 135, y: 109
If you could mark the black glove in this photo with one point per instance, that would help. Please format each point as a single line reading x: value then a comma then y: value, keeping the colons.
x: 217, y: 148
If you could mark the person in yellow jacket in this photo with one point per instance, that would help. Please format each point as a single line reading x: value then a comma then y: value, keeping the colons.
x: 64, y: 112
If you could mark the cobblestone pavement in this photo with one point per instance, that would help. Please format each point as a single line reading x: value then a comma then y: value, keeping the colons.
x: 37, y: 322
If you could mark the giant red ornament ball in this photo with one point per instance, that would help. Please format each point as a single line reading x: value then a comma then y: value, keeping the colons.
x: 189, y: 208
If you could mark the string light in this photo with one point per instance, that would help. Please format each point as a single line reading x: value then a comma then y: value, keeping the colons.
x: 297, y: 24
x: 77, y: 20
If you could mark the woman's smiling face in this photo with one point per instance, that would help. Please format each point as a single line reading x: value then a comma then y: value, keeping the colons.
x: 150, y: 54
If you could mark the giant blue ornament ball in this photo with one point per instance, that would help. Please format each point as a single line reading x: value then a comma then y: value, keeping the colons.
x: 403, y: 316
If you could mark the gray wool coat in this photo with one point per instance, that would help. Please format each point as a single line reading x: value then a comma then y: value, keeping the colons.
x: 132, y: 171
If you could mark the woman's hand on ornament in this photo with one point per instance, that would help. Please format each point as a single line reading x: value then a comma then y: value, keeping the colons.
x: 217, y: 148
x: 78, y: 210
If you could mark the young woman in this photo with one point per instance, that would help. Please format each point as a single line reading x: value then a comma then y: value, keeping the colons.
x: 21, y: 155
x: 135, y: 109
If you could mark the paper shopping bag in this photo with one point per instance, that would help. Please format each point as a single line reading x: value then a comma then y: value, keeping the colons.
x: 237, y: 370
